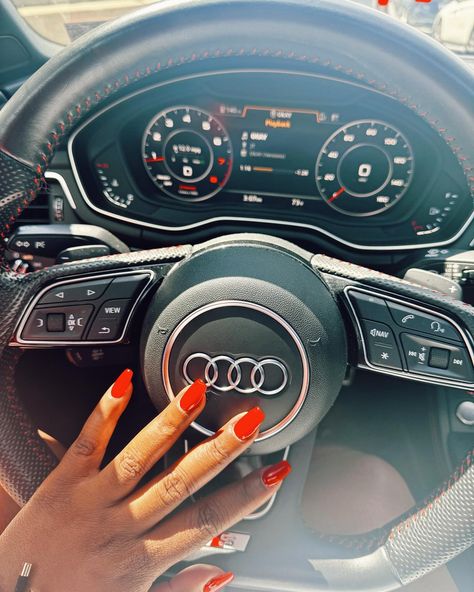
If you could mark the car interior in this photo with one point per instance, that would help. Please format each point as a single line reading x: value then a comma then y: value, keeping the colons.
x: 276, y: 196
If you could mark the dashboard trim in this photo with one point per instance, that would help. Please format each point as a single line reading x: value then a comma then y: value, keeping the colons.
x: 64, y: 186
x: 248, y: 219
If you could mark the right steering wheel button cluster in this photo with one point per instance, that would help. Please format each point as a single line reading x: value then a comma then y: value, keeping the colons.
x: 92, y: 310
x: 410, y: 340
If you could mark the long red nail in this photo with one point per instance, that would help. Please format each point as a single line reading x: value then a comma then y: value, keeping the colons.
x: 120, y: 386
x: 249, y: 423
x: 218, y: 583
x: 193, y: 396
x: 276, y: 473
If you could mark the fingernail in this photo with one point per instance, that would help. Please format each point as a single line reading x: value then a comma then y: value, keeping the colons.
x: 193, y: 396
x: 249, y: 423
x: 276, y: 473
x: 218, y: 583
x: 120, y: 386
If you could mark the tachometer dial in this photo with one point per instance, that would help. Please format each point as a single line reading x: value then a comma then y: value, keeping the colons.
x: 364, y: 168
x: 187, y: 153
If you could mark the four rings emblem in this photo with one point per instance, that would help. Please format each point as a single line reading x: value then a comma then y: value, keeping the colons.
x: 224, y: 373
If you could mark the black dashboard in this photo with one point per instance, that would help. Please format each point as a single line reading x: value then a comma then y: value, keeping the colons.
x: 276, y: 148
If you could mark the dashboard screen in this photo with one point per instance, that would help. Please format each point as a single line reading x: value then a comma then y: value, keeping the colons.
x: 360, y: 169
x: 257, y: 147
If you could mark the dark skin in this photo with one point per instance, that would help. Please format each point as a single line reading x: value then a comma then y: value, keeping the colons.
x: 121, y: 535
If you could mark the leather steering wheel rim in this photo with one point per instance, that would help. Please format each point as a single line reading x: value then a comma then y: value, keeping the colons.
x: 342, y: 39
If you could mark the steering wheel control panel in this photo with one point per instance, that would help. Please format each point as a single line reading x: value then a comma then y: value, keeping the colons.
x: 88, y: 311
x: 410, y: 340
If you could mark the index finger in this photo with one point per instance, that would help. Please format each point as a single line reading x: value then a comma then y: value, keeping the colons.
x: 86, y: 453
x: 125, y: 471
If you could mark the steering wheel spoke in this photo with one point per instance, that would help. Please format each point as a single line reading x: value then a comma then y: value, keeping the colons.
x: 95, y: 309
x: 401, y: 329
x: 89, y: 303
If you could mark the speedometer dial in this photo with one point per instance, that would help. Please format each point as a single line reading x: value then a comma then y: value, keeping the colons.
x: 364, y: 168
x: 187, y: 153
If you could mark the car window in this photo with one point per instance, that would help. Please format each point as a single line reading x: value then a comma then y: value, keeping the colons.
x: 64, y: 21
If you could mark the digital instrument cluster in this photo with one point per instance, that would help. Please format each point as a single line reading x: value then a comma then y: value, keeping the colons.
x: 365, y: 166
x: 325, y: 155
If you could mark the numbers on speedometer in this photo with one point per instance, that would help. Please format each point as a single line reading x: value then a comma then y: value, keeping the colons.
x: 187, y: 153
x: 364, y: 168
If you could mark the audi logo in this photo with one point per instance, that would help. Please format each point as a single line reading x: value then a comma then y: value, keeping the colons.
x: 224, y: 373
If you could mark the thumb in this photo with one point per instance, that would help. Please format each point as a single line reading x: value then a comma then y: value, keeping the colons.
x: 56, y: 447
x: 198, y: 578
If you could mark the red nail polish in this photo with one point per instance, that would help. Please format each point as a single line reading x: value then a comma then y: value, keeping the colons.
x: 276, y: 473
x: 120, y: 386
x: 249, y: 423
x: 218, y: 583
x: 193, y: 396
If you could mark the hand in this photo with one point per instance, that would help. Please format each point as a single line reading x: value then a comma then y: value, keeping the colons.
x: 94, y: 529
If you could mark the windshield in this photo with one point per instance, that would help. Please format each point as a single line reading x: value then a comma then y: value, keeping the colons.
x: 451, y: 22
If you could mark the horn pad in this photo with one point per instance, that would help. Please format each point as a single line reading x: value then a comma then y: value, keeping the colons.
x: 259, y: 325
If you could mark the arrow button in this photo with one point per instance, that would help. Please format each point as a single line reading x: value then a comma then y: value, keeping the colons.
x: 76, y: 292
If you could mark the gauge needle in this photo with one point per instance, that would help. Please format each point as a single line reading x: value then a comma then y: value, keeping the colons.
x: 157, y: 159
x: 336, y: 194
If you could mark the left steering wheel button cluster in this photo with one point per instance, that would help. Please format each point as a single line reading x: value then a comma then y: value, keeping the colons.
x: 75, y: 311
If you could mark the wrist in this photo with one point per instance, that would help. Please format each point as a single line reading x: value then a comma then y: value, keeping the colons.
x: 12, y: 560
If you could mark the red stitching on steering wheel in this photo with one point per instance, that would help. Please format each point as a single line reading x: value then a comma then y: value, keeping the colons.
x: 78, y: 111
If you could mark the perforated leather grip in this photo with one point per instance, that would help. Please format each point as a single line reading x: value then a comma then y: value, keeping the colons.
x: 439, y: 528
x: 25, y: 461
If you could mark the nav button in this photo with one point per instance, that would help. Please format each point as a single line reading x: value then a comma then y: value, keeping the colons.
x: 382, y: 349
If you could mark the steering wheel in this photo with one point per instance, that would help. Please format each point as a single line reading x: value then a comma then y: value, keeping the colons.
x: 301, y: 329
